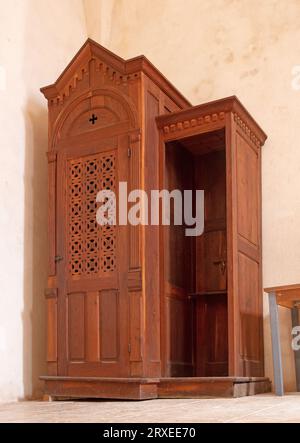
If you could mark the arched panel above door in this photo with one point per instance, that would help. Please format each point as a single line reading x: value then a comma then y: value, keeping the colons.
x: 93, y: 111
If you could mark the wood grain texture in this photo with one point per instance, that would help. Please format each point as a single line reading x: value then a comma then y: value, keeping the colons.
x: 143, y: 388
x: 133, y: 302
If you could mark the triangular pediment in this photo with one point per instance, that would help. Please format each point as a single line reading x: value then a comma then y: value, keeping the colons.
x: 115, y: 67
x: 79, y: 65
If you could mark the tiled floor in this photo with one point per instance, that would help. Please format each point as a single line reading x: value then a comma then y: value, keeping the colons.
x: 259, y: 408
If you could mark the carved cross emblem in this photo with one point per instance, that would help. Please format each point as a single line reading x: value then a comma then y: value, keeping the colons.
x: 93, y: 119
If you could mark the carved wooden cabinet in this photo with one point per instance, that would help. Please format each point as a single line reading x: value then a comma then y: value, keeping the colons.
x: 145, y: 311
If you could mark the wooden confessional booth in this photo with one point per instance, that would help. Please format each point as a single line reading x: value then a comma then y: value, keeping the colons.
x: 139, y: 312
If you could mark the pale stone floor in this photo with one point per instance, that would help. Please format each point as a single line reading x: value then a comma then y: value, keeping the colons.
x: 260, y: 408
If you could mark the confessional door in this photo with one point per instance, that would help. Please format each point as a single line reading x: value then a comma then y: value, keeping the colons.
x: 91, y: 260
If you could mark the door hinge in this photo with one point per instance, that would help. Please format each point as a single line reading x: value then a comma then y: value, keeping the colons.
x: 129, y: 348
x: 129, y: 152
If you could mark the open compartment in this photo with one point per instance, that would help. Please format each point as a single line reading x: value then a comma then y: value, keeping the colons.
x: 195, y: 296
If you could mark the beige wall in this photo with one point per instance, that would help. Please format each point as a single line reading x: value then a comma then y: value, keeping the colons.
x: 211, y: 49
x: 37, y: 40
x: 208, y: 50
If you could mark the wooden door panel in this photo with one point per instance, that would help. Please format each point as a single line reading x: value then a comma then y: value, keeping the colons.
x: 249, y: 258
x: 109, y: 325
x: 92, y: 337
x: 93, y: 326
x: 179, y: 323
x: 251, y: 327
x: 75, y: 315
x: 216, y: 335
x: 92, y: 273
x: 211, y: 274
x: 215, y: 261
x: 244, y: 255
x: 211, y: 248
x: 211, y: 341
x: 247, y: 191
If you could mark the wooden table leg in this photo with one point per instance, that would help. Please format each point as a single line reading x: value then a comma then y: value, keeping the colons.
x: 295, y: 322
x: 276, y: 348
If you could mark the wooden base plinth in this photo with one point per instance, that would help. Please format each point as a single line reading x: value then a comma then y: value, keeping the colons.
x: 148, y: 388
x: 196, y: 387
x: 101, y: 387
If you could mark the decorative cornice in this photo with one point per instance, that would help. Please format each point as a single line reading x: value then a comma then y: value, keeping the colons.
x: 192, y: 122
x: 58, y: 96
x: 245, y: 128
x: 99, y: 68
x: 213, y: 113
x: 115, y: 76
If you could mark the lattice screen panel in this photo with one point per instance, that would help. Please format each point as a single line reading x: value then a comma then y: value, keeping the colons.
x: 91, y: 247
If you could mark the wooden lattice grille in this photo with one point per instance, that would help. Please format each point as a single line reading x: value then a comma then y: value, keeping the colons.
x: 91, y: 247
